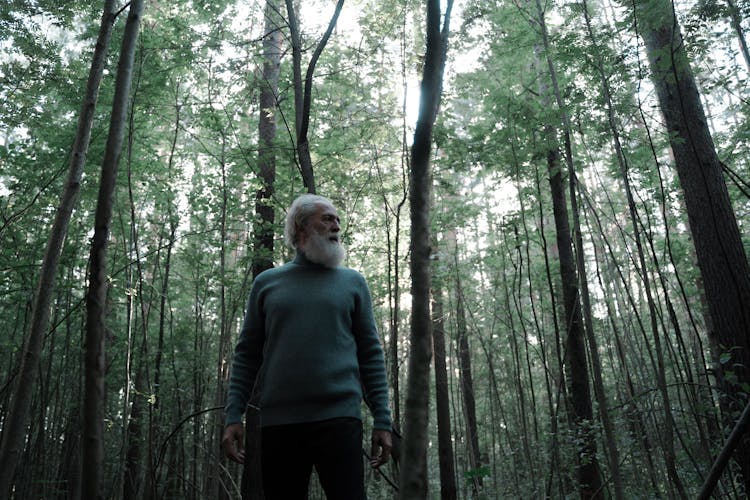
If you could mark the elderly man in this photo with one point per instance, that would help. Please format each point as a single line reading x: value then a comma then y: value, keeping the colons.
x: 309, y: 338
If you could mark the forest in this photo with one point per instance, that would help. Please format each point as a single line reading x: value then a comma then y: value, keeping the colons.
x: 548, y: 199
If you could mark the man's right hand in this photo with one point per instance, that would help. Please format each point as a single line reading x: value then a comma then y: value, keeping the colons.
x: 233, y: 442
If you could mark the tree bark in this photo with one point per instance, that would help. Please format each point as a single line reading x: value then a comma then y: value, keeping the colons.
x: 269, y: 87
x: 218, y: 468
x: 719, y: 250
x: 442, y: 397
x: 263, y: 233
x: 132, y: 487
x: 464, y: 370
x: 589, y: 480
x: 20, y: 404
x: 413, y: 482
x: 303, y: 96
x: 93, y: 409
x: 172, y: 220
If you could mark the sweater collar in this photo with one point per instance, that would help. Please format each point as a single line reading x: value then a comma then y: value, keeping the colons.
x: 301, y: 259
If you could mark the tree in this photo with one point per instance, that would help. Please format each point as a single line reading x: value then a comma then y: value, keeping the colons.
x: 17, y: 416
x: 193, y: 219
x: 303, y: 90
x: 465, y: 372
x: 263, y: 232
x: 576, y: 367
x: 719, y: 249
x: 93, y: 408
x: 414, y: 472
x: 267, y: 124
x: 442, y: 401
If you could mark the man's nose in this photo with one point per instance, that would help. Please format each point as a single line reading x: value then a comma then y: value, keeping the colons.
x: 335, y: 227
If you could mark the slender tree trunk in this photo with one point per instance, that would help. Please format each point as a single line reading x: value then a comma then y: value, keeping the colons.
x: 20, y: 404
x: 413, y: 482
x: 94, y: 397
x: 610, y: 441
x: 522, y: 422
x: 721, y: 255
x: 516, y: 466
x: 735, y: 19
x: 395, y: 299
x: 464, y: 369
x: 561, y: 393
x: 218, y: 468
x: 198, y: 383
x: 442, y: 401
x: 132, y: 488
x: 155, y: 409
x: 138, y: 418
x: 69, y: 467
x: 303, y: 96
x: 172, y: 221
x: 263, y: 234
x: 264, y: 209
x: 395, y: 335
x: 633, y: 413
x: 517, y: 293
x: 575, y: 351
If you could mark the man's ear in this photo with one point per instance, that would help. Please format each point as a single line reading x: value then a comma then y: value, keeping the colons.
x: 301, y: 233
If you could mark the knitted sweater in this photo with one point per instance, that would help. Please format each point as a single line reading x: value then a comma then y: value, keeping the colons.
x: 309, y: 336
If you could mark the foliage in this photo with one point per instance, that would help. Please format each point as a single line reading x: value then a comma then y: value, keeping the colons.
x: 184, y: 216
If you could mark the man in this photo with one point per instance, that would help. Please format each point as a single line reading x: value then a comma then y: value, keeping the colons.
x: 309, y: 337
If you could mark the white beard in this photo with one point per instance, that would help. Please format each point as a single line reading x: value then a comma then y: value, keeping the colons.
x: 321, y: 250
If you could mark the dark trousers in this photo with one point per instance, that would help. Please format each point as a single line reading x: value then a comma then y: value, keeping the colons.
x: 333, y: 447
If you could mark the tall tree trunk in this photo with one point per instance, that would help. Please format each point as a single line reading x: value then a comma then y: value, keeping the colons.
x: 172, y: 221
x: 303, y: 96
x: 442, y: 397
x: 633, y: 412
x: 263, y: 233
x: 94, y: 398
x: 522, y: 423
x: 589, y: 480
x: 132, y: 488
x: 218, y: 467
x: 396, y: 300
x: 70, y: 468
x: 719, y: 250
x: 599, y: 392
x: 19, y: 406
x: 139, y: 415
x: 561, y: 393
x: 464, y: 370
x: 414, y: 470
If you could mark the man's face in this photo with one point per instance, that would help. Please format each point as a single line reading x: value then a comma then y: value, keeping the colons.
x: 319, y: 239
x: 324, y: 222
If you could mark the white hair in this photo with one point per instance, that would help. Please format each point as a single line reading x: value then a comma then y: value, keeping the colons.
x: 296, y: 218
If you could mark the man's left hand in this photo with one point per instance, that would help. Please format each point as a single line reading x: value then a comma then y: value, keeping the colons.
x: 381, y: 448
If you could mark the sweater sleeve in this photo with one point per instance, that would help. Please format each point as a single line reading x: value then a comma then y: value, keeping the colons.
x: 371, y: 359
x: 248, y: 356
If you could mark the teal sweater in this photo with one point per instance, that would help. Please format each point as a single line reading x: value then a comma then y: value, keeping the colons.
x: 309, y: 336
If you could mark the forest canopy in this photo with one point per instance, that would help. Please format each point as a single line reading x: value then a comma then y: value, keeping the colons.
x: 588, y: 185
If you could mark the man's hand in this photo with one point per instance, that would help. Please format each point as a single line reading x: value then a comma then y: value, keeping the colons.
x: 381, y: 448
x: 233, y: 442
